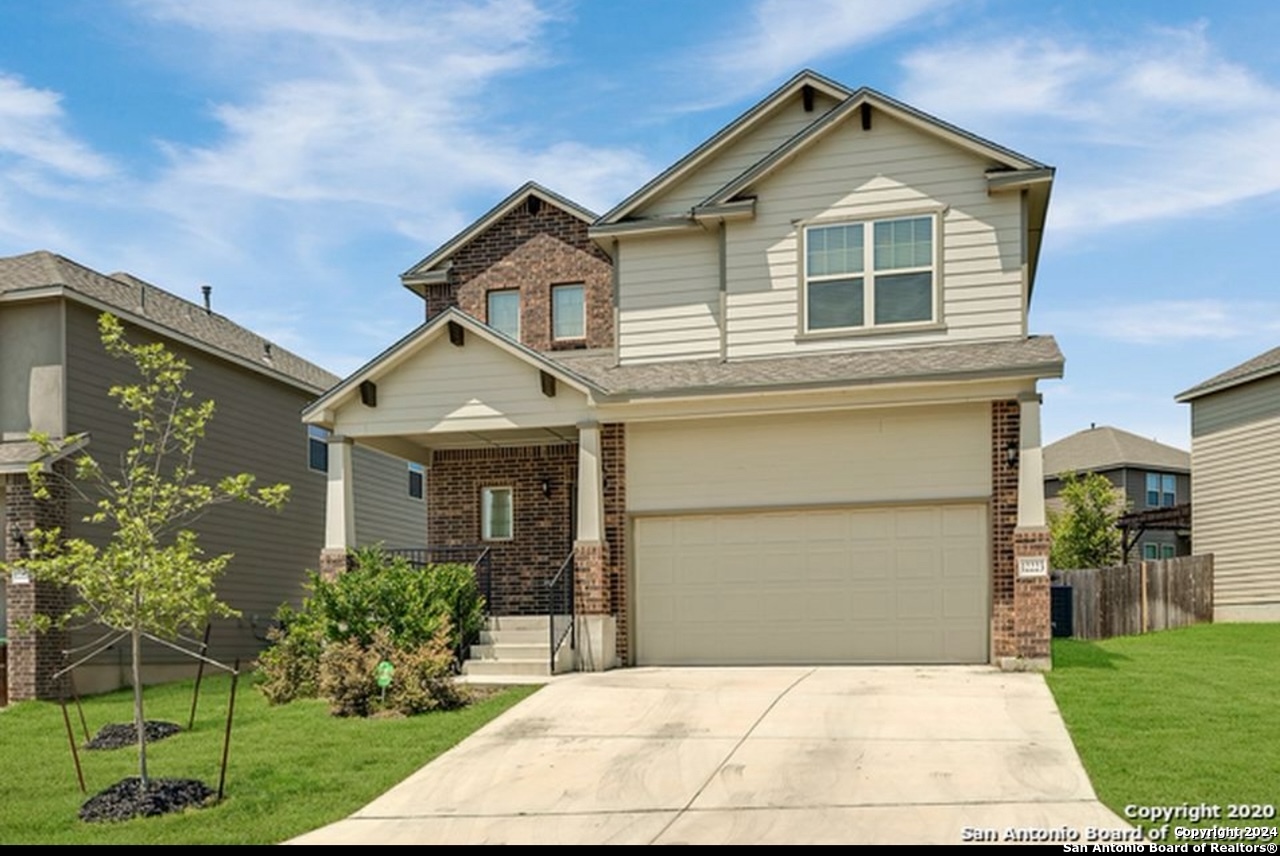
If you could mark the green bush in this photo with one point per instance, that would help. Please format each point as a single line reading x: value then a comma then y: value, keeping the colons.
x: 382, y: 608
x: 422, y: 679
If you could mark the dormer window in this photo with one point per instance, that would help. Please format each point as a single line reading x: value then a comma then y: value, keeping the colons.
x: 504, y: 312
x: 848, y: 287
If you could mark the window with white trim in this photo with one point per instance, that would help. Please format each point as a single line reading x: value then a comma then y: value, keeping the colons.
x: 568, y: 311
x: 417, y: 480
x: 847, y: 287
x: 1158, y: 551
x: 318, y: 449
x: 496, y: 514
x: 504, y: 312
x: 1162, y: 490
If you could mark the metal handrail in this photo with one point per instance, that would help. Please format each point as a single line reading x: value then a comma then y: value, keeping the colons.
x: 475, y: 555
x: 560, y: 587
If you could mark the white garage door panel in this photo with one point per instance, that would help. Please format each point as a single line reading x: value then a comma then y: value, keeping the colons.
x: 881, y: 585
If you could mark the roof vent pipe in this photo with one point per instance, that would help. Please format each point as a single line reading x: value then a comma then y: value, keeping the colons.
x: 207, y: 291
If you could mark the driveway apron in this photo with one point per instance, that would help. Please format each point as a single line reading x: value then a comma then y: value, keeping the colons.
x: 759, y: 755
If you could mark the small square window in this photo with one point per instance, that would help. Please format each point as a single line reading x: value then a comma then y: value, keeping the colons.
x: 568, y: 312
x: 318, y: 448
x: 1167, y: 551
x: 496, y: 514
x: 1150, y: 551
x: 417, y: 480
x: 504, y: 312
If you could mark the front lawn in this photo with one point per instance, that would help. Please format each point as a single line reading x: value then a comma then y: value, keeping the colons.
x: 1180, y: 716
x: 292, y: 768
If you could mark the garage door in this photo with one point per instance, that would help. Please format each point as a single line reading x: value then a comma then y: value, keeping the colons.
x: 905, y: 584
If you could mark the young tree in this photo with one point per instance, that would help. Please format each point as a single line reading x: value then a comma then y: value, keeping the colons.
x: 149, y: 576
x: 1084, y: 532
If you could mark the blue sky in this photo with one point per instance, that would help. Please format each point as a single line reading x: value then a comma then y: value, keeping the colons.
x: 298, y: 156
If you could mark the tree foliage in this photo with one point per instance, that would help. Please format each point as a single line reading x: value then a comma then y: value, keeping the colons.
x: 1084, y: 532
x: 147, y: 573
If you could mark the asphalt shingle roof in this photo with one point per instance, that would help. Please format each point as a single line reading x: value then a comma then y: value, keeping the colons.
x: 1036, y: 355
x: 1260, y: 366
x: 1105, y: 448
x: 135, y: 297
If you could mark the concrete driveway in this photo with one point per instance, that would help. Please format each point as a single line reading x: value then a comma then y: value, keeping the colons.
x: 750, y: 755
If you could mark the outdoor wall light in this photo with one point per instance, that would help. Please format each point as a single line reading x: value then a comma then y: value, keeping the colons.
x: 546, y: 487
x: 1011, y: 454
x: 16, y: 535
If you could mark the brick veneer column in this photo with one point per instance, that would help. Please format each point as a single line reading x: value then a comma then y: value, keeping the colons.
x: 333, y: 561
x: 1032, y: 620
x: 33, y: 657
x: 1004, y: 519
x: 613, y: 449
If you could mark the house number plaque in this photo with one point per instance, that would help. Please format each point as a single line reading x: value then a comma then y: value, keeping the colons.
x: 1033, y: 566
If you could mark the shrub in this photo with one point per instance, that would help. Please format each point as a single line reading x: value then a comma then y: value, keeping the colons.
x: 420, y: 620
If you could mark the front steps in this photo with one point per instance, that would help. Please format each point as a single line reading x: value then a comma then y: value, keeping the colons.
x: 512, y: 649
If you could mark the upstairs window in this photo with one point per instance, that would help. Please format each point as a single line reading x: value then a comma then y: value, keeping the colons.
x: 318, y: 448
x: 504, y: 312
x: 847, y: 287
x: 568, y: 312
x: 417, y: 480
x: 1162, y: 490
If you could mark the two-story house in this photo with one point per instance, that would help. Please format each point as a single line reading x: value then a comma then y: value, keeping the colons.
x: 55, y: 377
x: 1148, y: 477
x: 779, y: 405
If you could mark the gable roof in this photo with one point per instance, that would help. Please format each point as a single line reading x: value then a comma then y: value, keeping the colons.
x: 435, y: 266
x: 419, y: 338
x: 722, y: 138
x: 45, y: 274
x: 1107, y: 448
x: 1261, y: 366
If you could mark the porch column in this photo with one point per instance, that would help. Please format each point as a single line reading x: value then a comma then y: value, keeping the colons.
x: 339, y: 518
x: 597, y: 632
x: 1031, y: 541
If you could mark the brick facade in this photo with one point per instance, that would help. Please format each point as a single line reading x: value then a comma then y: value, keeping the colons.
x: 532, y: 252
x: 1020, y: 619
x: 543, y: 524
x: 33, y: 657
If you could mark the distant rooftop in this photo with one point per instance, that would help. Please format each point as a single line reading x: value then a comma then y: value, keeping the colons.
x: 139, y: 301
x: 1106, y: 448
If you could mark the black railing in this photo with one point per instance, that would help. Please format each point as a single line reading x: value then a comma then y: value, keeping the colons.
x: 560, y: 610
x: 477, y: 556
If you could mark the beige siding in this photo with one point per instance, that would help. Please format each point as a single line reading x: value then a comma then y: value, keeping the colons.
x: 444, y: 389
x: 255, y: 429
x: 384, y: 510
x: 1235, y: 508
x: 735, y: 159
x: 670, y: 299
x: 865, y: 456
x: 852, y: 174
x: 30, y: 350
x: 1236, y: 406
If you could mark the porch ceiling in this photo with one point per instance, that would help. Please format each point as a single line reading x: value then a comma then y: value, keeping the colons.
x: 419, y: 446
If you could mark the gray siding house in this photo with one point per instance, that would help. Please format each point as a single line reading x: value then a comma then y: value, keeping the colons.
x: 1235, y: 458
x: 54, y: 377
x: 1149, y: 475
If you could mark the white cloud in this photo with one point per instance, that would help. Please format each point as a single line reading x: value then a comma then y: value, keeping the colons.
x: 781, y: 36
x: 33, y: 133
x: 1167, y: 322
x: 1157, y: 124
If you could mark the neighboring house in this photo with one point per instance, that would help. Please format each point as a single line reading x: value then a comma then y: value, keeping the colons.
x: 54, y: 377
x: 1147, y: 474
x: 779, y: 405
x: 1235, y: 461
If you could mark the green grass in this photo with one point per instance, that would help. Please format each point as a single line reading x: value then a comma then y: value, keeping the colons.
x: 1189, y: 715
x: 292, y: 768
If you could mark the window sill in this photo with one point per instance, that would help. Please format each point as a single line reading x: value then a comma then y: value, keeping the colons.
x: 872, y: 332
x: 568, y: 344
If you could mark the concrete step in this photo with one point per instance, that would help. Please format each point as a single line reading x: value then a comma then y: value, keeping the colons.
x: 511, y: 651
x: 515, y: 637
x: 518, y: 622
x: 483, y: 668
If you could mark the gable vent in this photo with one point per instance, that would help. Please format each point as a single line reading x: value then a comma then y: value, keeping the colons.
x: 806, y: 95
x: 534, y: 205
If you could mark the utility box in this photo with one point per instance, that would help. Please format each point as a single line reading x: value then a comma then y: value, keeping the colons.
x: 1061, y: 610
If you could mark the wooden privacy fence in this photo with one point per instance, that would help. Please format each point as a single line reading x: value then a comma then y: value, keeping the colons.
x: 1140, y: 597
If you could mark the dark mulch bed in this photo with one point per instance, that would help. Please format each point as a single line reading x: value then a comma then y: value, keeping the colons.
x: 126, y: 799
x: 118, y: 736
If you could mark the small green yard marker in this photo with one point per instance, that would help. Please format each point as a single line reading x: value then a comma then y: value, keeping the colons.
x: 383, y: 673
